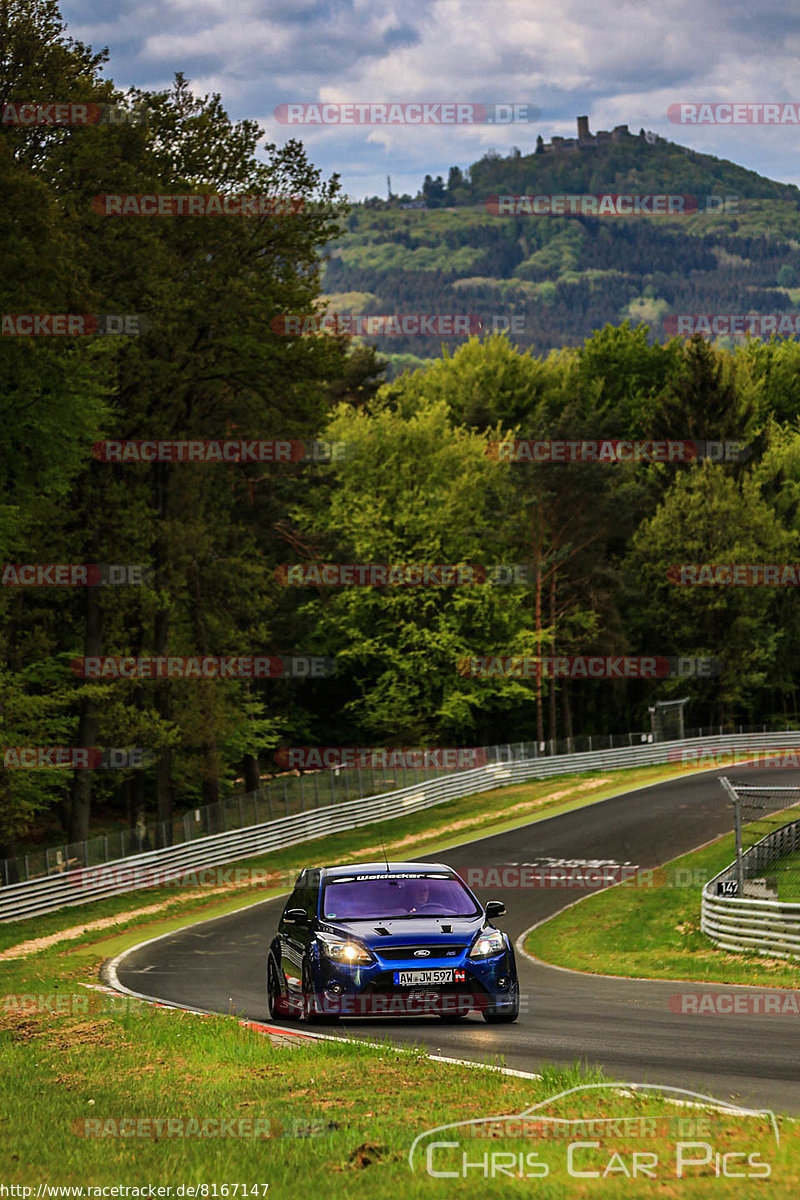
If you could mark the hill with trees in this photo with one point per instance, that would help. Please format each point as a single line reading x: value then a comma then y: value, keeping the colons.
x: 555, y: 279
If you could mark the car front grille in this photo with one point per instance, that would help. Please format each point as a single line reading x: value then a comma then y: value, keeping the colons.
x: 404, y: 953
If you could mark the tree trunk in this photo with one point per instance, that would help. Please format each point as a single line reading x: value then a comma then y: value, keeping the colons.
x: 536, y: 524
x: 161, y: 701
x: 164, y: 765
x: 566, y: 711
x: 211, y: 781
x: 552, y: 697
x: 80, y: 800
x: 252, y: 776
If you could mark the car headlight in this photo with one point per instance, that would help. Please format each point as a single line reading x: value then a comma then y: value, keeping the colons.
x: 489, y: 942
x: 338, y: 950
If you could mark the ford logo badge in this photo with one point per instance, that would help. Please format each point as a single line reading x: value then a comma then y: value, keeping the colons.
x: 421, y: 953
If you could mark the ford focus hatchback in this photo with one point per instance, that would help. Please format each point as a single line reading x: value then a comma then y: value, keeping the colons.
x: 389, y: 939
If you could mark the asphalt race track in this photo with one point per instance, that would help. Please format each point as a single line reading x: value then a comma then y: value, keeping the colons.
x: 625, y: 1026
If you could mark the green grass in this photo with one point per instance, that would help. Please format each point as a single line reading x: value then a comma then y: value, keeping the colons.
x: 363, y: 1105
x: 787, y: 873
x: 349, y: 302
x: 111, y: 1060
x: 654, y: 931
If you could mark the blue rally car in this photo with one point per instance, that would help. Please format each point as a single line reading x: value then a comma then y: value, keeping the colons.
x: 389, y: 939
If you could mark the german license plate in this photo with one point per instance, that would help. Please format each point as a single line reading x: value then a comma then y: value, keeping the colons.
x: 412, y: 978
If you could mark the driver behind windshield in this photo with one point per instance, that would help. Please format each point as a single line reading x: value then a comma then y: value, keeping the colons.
x: 417, y: 893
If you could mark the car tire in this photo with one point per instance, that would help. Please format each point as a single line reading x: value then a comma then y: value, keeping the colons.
x: 310, y: 1015
x: 492, y: 1017
x: 277, y: 1008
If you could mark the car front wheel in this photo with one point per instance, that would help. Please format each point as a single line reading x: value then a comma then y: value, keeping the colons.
x: 310, y: 1013
x: 505, y: 1015
x: 277, y: 1006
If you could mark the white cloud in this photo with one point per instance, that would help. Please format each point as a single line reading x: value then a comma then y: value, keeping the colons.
x: 622, y: 63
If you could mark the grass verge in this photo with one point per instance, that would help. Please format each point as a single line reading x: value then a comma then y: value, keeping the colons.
x: 655, y: 931
x: 84, y: 1093
x: 161, y: 909
x: 327, y: 1113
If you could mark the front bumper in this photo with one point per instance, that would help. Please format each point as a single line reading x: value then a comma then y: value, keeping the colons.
x: 370, y: 990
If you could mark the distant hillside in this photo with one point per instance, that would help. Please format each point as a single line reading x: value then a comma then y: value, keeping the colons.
x: 563, y: 277
x: 629, y: 164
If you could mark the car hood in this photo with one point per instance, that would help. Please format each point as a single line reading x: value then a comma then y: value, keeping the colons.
x: 407, y: 930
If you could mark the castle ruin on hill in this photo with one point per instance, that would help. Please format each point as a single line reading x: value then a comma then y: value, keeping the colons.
x: 585, y: 139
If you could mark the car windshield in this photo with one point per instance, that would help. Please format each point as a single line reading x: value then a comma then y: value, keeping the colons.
x: 371, y: 897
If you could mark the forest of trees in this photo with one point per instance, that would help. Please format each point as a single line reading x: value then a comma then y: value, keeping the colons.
x: 416, y: 485
x: 563, y: 276
x: 633, y: 164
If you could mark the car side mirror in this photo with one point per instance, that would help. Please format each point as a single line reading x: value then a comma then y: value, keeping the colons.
x: 298, y: 916
x: 495, y: 908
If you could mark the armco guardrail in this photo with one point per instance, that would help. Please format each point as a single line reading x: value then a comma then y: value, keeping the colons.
x: 297, y: 792
x: 77, y: 887
x: 747, y: 922
x: 283, y: 795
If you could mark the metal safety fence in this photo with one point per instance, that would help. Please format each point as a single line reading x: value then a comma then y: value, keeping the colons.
x: 292, y: 793
x: 740, y: 908
x: 77, y: 885
x: 283, y: 796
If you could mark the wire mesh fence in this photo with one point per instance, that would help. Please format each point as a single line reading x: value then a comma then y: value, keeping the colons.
x: 292, y: 793
x: 767, y: 827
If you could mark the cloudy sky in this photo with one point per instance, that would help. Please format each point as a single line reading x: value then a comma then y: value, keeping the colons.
x: 619, y: 63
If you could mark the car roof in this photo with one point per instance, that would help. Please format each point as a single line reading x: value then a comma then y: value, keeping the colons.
x: 392, y: 868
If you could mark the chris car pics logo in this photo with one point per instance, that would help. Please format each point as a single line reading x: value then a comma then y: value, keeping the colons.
x: 699, y: 1137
